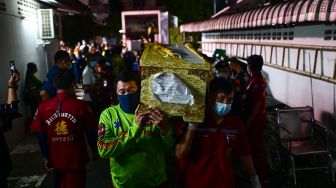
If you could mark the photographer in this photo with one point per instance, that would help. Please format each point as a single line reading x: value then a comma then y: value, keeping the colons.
x: 8, y: 112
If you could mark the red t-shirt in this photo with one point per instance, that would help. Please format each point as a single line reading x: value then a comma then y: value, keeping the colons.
x: 209, y: 163
x: 65, y: 130
x: 256, y: 92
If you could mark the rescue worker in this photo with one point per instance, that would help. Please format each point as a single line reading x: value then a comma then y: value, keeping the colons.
x: 60, y: 124
x: 90, y: 84
x: 8, y: 112
x: 206, y: 151
x: 255, y: 117
x: 240, y: 77
x: 62, y: 62
x: 222, y: 69
x: 135, y: 142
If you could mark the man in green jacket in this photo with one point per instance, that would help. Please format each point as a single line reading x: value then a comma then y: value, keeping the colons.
x: 135, y: 142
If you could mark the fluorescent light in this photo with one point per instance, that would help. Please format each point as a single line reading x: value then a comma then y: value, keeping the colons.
x: 49, y: 1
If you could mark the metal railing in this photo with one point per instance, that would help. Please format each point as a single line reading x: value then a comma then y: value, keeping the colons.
x: 285, y: 48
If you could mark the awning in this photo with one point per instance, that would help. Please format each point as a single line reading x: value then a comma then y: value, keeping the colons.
x: 70, y: 6
x: 276, y: 14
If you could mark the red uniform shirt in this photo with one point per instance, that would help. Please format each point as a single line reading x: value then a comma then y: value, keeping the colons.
x: 65, y: 130
x: 209, y: 163
x: 256, y: 92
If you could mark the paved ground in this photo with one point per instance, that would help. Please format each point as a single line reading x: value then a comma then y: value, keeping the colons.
x: 29, y: 172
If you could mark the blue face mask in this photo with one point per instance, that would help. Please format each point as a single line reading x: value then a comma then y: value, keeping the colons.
x: 129, y: 102
x: 93, y: 64
x: 222, y: 109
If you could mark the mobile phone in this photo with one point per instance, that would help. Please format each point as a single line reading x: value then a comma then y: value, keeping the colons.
x: 12, y: 67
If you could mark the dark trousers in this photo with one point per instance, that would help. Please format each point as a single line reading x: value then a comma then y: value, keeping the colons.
x: 255, y: 137
x: 3, y: 182
x: 70, y: 178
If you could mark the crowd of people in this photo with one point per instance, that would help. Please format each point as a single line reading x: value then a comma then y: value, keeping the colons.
x: 146, y: 148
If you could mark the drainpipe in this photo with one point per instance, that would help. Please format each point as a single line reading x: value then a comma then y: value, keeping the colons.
x: 214, y: 6
x: 183, y: 37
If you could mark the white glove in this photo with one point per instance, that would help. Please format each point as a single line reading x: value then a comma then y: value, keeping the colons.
x: 192, y: 126
x: 255, y: 181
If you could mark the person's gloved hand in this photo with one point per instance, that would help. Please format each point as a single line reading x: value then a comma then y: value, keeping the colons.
x: 192, y: 126
x: 255, y: 181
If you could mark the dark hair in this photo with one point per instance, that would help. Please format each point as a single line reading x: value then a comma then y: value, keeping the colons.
x: 222, y: 64
x: 235, y: 61
x: 31, y: 67
x: 126, y: 76
x: 60, y: 55
x: 64, y: 79
x: 255, y: 62
x: 220, y: 84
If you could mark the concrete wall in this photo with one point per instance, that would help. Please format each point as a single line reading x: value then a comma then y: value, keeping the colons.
x: 19, y: 42
x: 287, y: 87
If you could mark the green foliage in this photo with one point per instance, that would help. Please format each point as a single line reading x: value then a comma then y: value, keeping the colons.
x: 77, y: 27
x: 190, y: 11
x: 175, y: 37
x: 114, y: 23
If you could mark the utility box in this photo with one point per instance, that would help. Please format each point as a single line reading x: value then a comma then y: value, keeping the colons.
x: 174, y: 79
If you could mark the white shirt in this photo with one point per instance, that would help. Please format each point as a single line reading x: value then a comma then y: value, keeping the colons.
x: 89, y: 78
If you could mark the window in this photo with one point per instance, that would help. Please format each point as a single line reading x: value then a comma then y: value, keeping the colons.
x: 327, y: 34
x: 2, y: 6
x: 268, y: 36
x: 285, y: 35
x: 278, y: 36
x: 291, y: 35
x: 231, y: 36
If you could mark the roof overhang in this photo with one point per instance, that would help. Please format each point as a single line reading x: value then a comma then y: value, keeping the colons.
x: 68, y: 6
x: 233, y: 5
x: 284, y: 13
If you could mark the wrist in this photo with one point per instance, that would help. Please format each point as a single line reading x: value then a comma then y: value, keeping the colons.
x: 12, y: 86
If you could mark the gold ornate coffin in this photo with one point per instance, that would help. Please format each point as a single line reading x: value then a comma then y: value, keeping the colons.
x: 174, y: 80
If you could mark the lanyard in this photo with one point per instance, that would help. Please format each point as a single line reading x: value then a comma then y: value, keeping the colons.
x: 60, y: 104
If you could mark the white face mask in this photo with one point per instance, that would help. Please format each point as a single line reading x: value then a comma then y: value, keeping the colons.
x: 223, y: 75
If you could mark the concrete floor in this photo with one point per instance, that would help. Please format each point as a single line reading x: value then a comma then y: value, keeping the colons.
x: 29, y: 171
